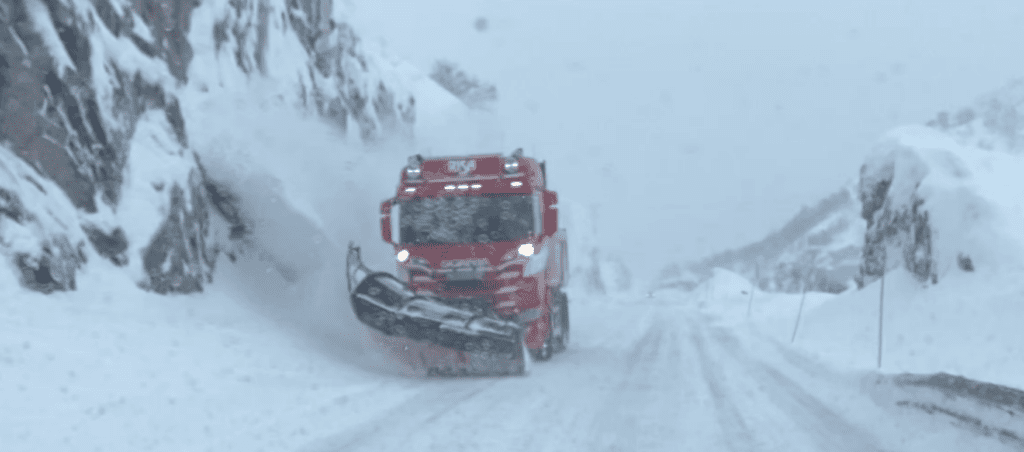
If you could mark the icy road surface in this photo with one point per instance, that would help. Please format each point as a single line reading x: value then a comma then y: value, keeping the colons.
x: 655, y: 376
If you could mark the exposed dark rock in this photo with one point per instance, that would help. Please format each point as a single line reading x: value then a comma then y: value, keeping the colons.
x: 469, y: 90
x: 69, y: 27
x: 964, y: 262
x: 10, y: 206
x: 54, y: 122
x: 262, y: 16
x: 334, y: 48
x: 36, y: 127
x: 178, y: 259
x: 220, y: 33
x: 54, y: 269
x: 52, y: 266
x: 384, y: 107
x: 109, y: 245
x: 177, y: 122
x: 895, y: 228
x: 169, y: 22
x: 226, y: 204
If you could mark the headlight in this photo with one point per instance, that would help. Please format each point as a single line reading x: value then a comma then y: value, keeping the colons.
x: 402, y: 255
x: 526, y: 249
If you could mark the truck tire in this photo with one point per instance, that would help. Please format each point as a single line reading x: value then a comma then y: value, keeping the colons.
x: 561, y: 341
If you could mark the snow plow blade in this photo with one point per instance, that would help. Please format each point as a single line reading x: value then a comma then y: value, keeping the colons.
x: 490, y: 344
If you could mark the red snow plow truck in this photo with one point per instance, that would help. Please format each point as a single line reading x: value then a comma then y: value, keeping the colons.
x: 480, y: 259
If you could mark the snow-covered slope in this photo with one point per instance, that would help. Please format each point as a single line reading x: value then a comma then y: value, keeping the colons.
x: 928, y: 199
x: 944, y: 208
x: 819, y: 249
x: 128, y: 107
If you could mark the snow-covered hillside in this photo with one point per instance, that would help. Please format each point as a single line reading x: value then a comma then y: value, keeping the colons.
x: 929, y: 198
x: 944, y: 205
x: 818, y: 250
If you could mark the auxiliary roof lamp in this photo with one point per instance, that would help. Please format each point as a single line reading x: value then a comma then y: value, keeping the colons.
x: 414, y: 170
x: 512, y: 163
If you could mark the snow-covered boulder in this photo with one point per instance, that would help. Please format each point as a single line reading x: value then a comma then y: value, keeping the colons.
x: 948, y: 196
x: 935, y: 204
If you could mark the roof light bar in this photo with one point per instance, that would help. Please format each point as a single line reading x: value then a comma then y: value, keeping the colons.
x: 517, y: 184
x: 410, y: 190
x: 449, y: 187
x: 476, y: 186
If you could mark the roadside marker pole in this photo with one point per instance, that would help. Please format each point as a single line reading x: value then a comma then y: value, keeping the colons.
x: 753, y: 285
x: 881, y: 316
x: 799, y: 313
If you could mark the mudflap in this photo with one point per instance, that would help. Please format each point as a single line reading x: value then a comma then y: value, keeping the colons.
x: 482, y: 343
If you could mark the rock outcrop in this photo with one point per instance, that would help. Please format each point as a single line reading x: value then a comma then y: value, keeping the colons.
x: 90, y: 113
x: 897, y: 222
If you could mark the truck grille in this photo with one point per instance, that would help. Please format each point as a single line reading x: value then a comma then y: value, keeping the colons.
x: 464, y: 270
x: 470, y: 286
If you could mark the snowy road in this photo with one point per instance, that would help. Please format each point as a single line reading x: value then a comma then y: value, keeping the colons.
x: 654, y: 377
x: 640, y: 375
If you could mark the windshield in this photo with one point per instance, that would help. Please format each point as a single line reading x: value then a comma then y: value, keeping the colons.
x: 467, y: 219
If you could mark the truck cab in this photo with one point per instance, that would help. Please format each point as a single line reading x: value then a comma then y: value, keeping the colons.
x: 483, y: 229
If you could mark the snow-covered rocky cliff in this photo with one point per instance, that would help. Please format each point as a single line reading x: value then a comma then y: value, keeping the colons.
x: 102, y: 154
x: 948, y: 196
x: 930, y: 198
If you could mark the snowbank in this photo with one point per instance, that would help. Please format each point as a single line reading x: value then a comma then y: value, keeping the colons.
x: 113, y: 367
x: 944, y: 218
x: 967, y: 325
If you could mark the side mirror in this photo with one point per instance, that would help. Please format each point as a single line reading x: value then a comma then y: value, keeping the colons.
x: 550, y: 212
x: 385, y: 221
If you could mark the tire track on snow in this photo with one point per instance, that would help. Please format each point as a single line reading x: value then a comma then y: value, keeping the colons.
x: 828, y: 429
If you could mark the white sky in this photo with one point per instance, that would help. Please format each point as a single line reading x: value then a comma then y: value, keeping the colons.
x: 705, y: 125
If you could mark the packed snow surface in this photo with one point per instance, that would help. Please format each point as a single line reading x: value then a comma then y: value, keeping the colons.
x: 964, y: 326
x: 232, y: 370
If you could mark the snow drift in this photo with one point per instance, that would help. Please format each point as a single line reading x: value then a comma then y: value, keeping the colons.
x: 944, y: 206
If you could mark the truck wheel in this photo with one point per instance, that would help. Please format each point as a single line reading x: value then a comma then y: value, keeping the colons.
x: 548, y: 348
x: 565, y: 320
x: 545, y: 351
x: 562, y: 301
